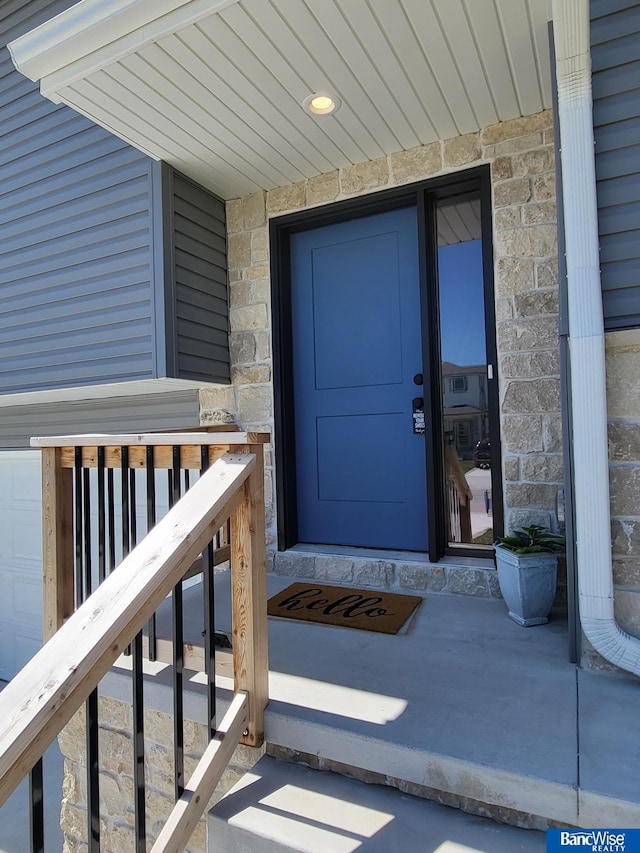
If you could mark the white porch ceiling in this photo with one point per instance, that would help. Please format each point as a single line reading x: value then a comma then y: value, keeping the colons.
x: 214, y: 87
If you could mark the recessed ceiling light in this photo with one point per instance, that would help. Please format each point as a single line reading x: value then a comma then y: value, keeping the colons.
x: 321, y: 104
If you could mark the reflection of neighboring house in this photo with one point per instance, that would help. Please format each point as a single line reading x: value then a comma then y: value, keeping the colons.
x: 464, y: 389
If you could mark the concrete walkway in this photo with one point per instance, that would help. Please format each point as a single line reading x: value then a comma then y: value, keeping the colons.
x: 282, y: 807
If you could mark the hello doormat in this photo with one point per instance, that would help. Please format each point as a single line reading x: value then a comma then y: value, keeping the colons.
x: 366, y: 609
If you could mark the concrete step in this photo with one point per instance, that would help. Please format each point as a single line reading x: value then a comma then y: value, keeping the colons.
x: 281, y: 807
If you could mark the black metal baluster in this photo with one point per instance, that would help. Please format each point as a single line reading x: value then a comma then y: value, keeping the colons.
x: 77, y: 506
x: 138, y: 698
x: 86, y: 517
x: 102, y: 541
x: 124, y: 493
x: 83, y: 546
x: 209, y: 617
x: 126, y: 512
x: 138, y: 745
x: 133, y: 527
x: 93, y: 783
x: 178, y: 648
x: 151, y: 520
x: 36, y: 808
x: 111, y: 519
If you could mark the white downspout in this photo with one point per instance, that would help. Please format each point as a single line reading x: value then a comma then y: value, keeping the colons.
x: 586, y: 338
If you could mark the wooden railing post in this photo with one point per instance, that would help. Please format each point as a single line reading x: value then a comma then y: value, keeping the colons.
x: 57, y: 541
x: 249, y: 599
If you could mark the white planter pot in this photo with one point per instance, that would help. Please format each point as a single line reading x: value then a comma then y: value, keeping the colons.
x: 528, y: 584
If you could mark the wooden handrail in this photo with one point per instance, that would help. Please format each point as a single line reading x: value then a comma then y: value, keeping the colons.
x: 460, y: 502
x: 186, y: 813
x: 44, y: 695
x: 456, y: 475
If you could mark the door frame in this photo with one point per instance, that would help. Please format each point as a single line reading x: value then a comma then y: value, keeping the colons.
x: 423, y: 195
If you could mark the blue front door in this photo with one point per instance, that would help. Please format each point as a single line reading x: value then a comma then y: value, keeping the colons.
x: 361, y: 477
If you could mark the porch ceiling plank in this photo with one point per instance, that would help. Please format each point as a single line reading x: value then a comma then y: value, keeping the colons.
x: 455, y: 24
x: 261, y: 72
x: 485, y: 23
x: 216, y: 88
x: 540, y: 17
x: 310, y: 51
x: 151, y: 104
x: 73, y: 43
x: 469, y: 213
x: 452, y: 215
x: 203, y: 61
x: 371, y: 59
x: 425, y: 21
x: 179, y: 105
x: 212, y: 95
x: 438, y: 122
x: 514, y: 18
x: 88, y: 98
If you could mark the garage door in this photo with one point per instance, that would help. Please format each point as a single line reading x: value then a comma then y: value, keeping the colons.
x: 20, y: 559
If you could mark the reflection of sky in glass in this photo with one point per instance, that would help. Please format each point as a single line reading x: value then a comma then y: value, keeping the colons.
x: 462, y: 303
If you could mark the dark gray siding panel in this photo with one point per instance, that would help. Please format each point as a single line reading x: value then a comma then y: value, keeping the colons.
x: 615, y: 49
x: 76, y: 276
x: 200, y: 273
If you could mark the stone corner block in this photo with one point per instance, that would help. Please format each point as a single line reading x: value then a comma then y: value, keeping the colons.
x: 254, y: 403
x: 467, y: 582
x: 221, y: 397
x: 323, y: 188
x: 421, y: 577
x: 361, y: 177
x: 374, y: 573
x: 294, y: 565
x: 233, y: 215
x: 254, y: 210
x: 461, y: 150
x: 289, y: 197
x: 332, y: 568
x: 416, y: 163
x: 246, y: 318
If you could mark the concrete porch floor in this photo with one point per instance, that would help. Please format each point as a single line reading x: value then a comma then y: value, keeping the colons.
x: 463, y: 706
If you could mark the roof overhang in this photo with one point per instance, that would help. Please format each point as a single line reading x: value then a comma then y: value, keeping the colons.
x: 216, y: 87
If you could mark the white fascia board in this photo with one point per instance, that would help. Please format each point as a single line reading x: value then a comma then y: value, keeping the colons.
x: 96, y: 33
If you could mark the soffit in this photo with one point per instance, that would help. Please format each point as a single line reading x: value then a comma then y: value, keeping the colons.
x: 214, y: 87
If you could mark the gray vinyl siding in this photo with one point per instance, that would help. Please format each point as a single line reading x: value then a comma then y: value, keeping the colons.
x: 615, y: 51
x: 20, y: 16
x: 112, y: 267
x: 76, y: 303
x: 200, y: 275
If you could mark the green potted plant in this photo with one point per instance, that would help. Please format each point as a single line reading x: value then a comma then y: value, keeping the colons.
x: 527, y: 563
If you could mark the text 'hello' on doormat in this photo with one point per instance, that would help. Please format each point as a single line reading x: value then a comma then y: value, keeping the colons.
x: 369, y: 610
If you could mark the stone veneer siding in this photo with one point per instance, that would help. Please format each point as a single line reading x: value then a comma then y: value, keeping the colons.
x: 117, y: 810
x: 521, y: 154
x: 623, y: 407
